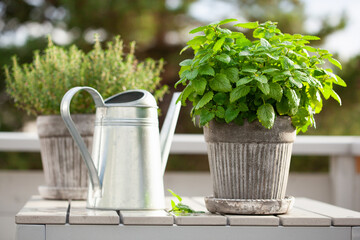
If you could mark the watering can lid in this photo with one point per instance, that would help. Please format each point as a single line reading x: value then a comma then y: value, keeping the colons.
x: 132, y: 98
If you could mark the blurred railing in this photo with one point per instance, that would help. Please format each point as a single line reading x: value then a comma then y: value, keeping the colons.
x: 342, y: 150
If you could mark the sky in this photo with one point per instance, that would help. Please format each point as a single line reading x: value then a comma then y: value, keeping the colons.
x: 346, y: 42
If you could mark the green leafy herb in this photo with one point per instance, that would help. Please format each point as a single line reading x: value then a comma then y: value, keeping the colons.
x: 38, y: 87
x: 180, y: 208
x: 231, y: 78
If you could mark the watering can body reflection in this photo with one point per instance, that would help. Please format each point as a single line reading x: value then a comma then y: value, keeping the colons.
x: 129, y: 155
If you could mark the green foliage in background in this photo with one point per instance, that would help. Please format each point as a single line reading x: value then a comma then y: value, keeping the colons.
x: 231, y: 78
x: 38, y: 87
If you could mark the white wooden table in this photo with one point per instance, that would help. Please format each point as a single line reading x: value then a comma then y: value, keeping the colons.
x: 58, y: 220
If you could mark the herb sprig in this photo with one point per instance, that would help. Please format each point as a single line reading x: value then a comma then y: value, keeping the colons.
x: 180, y: 208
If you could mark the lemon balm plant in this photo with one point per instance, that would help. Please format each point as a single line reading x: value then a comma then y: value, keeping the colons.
x: 232, y: 78
x: 251, y: 96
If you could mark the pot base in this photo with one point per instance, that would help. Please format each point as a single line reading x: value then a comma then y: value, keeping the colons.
x: 76, y: 193
x: 249, y: 206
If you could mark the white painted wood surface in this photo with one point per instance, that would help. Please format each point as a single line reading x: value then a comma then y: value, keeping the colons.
x: 308, y: 220
x: 78, y: 214
x: 339, y: 216
x: 40, y: 211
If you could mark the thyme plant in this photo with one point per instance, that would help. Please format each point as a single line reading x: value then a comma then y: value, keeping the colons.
x: 231, y: 78
x: 38, y: 87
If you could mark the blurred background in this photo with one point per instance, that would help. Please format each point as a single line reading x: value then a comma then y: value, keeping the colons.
x: 160, y: 28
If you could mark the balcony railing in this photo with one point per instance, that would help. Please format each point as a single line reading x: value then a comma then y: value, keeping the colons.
x: 342, y: 150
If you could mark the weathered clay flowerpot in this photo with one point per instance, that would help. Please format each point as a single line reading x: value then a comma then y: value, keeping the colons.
x: 66, y: 176
x: 249, y: 164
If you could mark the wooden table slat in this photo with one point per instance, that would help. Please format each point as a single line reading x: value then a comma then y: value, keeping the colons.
x: 40, y: 211
x: 154, y: 217
x: 251, y: 220
x: 79, y: 214
x: 300, y: 217
x: 198, y: 219
x: 339, y: 216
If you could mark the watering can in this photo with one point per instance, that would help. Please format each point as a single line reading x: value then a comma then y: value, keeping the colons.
x: 129, y: 155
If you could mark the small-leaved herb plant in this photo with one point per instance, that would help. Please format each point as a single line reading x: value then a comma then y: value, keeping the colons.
x: 180, y: 208
x: 38, y: 87
x: 231, y: 78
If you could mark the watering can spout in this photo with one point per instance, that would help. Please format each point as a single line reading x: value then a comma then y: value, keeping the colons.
x: 168, y: 129
x: 65, y: 114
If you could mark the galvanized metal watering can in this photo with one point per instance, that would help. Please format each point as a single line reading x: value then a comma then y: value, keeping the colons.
x: 129, y: 155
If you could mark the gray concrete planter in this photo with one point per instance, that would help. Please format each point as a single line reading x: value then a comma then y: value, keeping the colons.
x: 66, y: 176
x: 249, y: 162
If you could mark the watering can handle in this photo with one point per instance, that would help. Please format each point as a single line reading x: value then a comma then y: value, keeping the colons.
x: 65, y: 114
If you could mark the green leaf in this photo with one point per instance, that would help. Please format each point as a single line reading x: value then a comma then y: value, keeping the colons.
x: 239, y: 92
x: 339, y: 81
x: 206, y: 116
x: 249, y: 69
x: 243, y: 42
x: 259, y: 33
x: 232, y: 74
x: 249, y: 25
x: 204, y: 100
x: 261, y: 78
x: 182, y: 81
x: 186, y: 93
x: 296, y: 82
x: 186, y: 62
x: 243, y: 81
x: 270, y: 70
x: 287, y: 63
x: 205, y: 57
x: 223, y: 58
x: 245, y: 53
x: 294, y: 100
x: 220, y: 83
x: 243, y: 107
x: 218, y: 44
x: 231, y: 113
x: 191, y: 74
x: 197, y: 41
x: 310, y: 49
x: 264, y: 87
x: 335, y: 96
x: 198, y: 29
x: 199, y: 85
x: 227, y: 21
x: 184, y: 49
x: 310, y: 38
x: 276, y: 91
x: 175, y: 195
x: 220, y: 112
x: 282, y: 107
x: 266, y: 115
x: 220, y: 98
x: 265, y: 43
x: 335, y: 62
x: 173, y: 205
x: 206, y: 70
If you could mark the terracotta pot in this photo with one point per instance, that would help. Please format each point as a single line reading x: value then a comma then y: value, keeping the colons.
x: 249, y: 161
x: 66, y: 176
